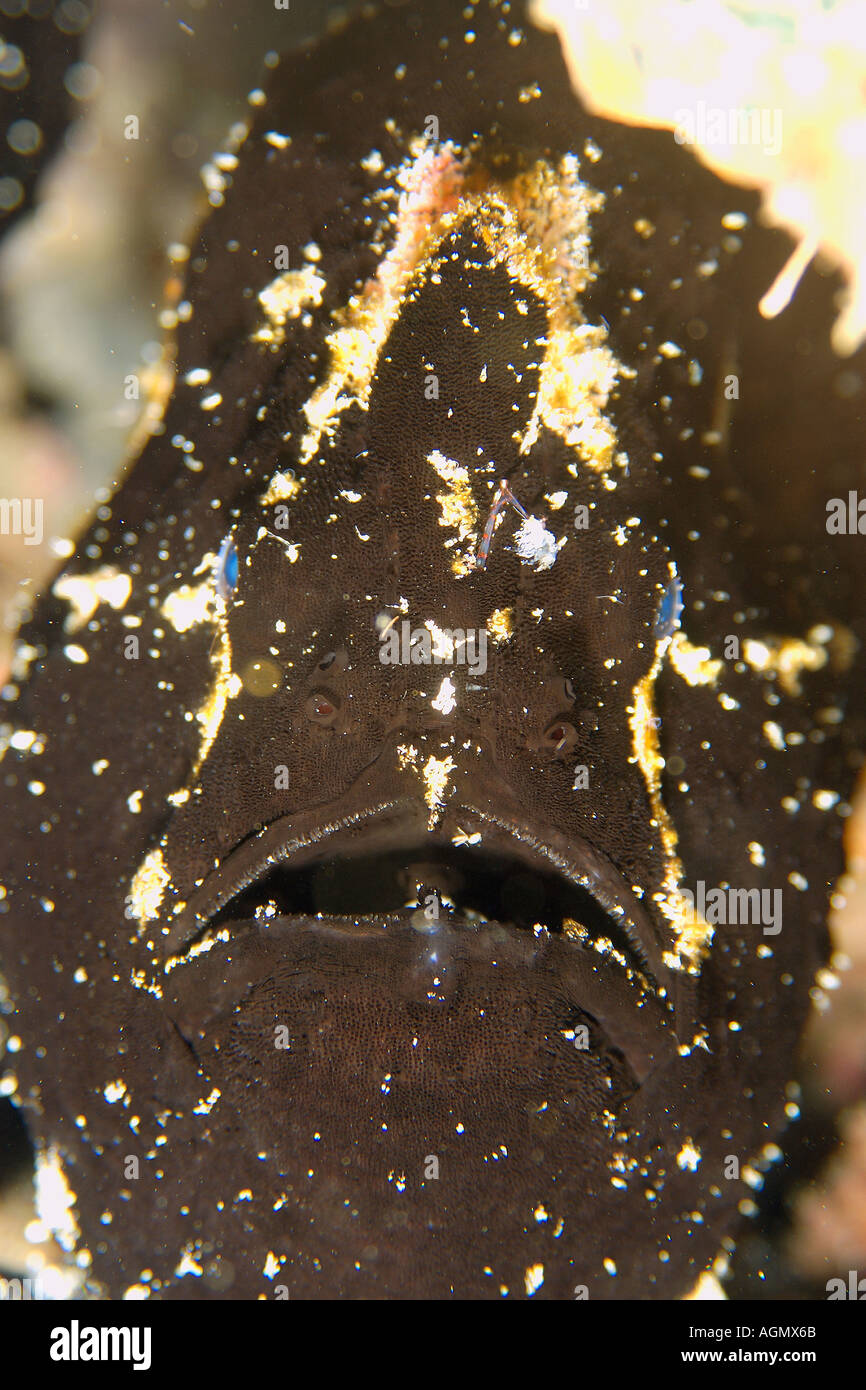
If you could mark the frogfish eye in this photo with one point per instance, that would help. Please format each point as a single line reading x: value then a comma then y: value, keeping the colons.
x: 322, y: 707
x: 560, y: 736
x: 226, y: 568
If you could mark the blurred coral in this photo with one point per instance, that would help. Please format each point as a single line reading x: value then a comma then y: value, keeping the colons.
x: 829, y: 1237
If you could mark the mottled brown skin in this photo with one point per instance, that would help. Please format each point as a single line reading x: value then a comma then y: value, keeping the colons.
x: 294, y: 1158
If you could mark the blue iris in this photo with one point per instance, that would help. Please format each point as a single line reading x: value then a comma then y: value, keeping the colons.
x: 670, y: 608
x: 227, y: 569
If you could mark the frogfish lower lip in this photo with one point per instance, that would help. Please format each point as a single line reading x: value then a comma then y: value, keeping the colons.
x: 399, y: 829
x: 429, y: 981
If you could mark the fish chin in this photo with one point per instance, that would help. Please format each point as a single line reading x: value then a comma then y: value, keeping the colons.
x: 380, y: 1000
x: 371, y: 1057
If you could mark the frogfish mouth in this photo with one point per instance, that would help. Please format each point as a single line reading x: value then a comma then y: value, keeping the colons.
x: 425, y: 781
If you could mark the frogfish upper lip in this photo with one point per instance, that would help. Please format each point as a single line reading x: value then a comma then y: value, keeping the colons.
x: 294, y: 841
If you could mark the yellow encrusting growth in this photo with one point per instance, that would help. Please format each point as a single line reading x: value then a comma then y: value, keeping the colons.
x: 458, y: 509
x: 706, y: 1288
x: 284, y: 298
x: 85, y: 592
x: 500, y: 624
x: 55, y: 1200
x: 226, y: 687
x: 188, y: 606
x: 184, y: 608
x: 535, y: 226
x: 407, y: 755
x: 694, y: 664
x: 282, y: 488
x: 435, y: 775
x: 427, y: 185
x: 785, y: 660
x: 148, y: 887
x: 691, y: 932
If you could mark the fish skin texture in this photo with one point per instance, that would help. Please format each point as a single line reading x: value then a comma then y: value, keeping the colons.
x: 305, y: 1171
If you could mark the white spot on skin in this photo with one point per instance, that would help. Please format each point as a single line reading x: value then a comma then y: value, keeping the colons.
x: 824, y: 800
x: 85, y: 592
x: 55, y: 1200
x: 786, y: 659
x: 282, y: 488
x: 445, y: 701
x: 461, y: 838
x: 284, y: 298
x: 27, y: 741
x: 457, y: 506
x: 441, y: 642
x: 186, y: 606
x: 148, y: 887
x: 188, y: 1264
x: 706, y: 1288
x: 689, y: 1157
x: 204, y: 1107
x: 435, y: 776
x: 535, y: 544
